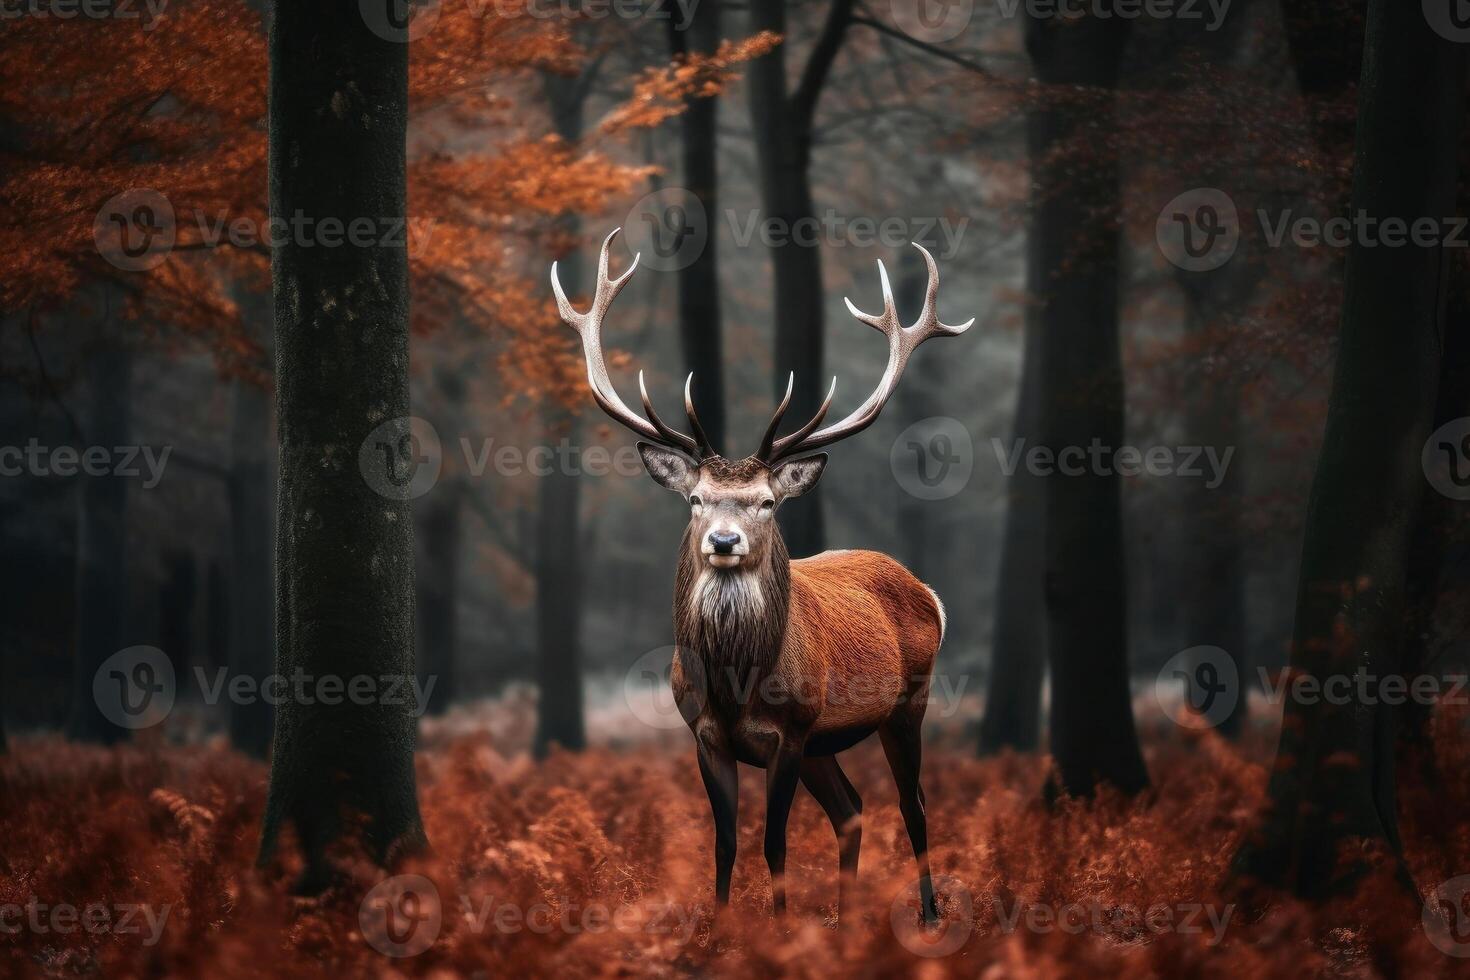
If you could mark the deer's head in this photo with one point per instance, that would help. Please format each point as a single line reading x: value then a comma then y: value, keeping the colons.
x: 732, y: 504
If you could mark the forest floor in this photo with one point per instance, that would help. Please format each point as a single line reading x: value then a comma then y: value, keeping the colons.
x: 139, y: 861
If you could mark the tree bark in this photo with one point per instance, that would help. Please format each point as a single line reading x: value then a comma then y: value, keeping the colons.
x: 1332, y: 796
x: 102, y: 555
x: 699, y: 282
x: 559, y: 603
x: 1081, y: 400
x: 251, y: 489
x: 344, y: 551
x: 782, y: 126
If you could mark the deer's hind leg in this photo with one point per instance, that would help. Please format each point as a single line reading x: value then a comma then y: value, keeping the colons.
x: 904, y: 748
x: 828, y: 784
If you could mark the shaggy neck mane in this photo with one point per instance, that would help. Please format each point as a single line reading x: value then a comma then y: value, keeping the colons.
x: 733, y: 619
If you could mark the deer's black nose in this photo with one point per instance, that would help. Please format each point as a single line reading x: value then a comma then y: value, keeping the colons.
x: 724, y: 541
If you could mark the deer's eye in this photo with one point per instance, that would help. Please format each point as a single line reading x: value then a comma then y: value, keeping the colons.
x: 694, y: 500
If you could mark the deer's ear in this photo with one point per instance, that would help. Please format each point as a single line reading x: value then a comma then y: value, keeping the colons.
x: 669, y: 469
x: 795, y: 477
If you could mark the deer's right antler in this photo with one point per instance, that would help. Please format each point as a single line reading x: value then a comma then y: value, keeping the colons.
x: 589, y: 326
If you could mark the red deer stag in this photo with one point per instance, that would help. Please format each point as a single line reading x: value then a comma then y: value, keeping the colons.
x: 781, y: 664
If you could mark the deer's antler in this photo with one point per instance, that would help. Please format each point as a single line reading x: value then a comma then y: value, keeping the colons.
x: 589, y: 326
x: 901, y: 344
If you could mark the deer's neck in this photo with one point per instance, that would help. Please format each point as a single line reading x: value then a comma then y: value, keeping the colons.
x: 734, y: 619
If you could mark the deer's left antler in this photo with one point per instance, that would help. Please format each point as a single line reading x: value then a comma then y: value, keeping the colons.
x: 902, y: 342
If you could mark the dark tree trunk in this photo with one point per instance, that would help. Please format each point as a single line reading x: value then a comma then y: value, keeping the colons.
x: 559, y: 602
x: 102, y: 556
x: 1018, y: 646
x: 1332, y: 797
x: 438, y: 536
x: 558, y: 519
x: 782, y: 125
x: 251, y: 488
x: 344, y: 551
x: 1081, y: 399
x: 699, y: 282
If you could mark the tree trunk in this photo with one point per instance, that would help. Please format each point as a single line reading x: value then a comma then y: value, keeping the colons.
x: 782, y: 126
x: 1018, y: 645
x: 1081, y: 400
x: 344, y: 550
x: 559, y: 602
x: 699, y: 282
x: 1332, y: 799
x: 251, y: 489
x: 558, y: 520
x: 102, y: 555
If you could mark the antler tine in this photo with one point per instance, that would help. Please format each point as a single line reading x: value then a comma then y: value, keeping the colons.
x: 701, y: 441
x: 589, y: 326
x: 782, y: 447
x: 769, y: 439
x: 668, y: 434
x: 902, y: 342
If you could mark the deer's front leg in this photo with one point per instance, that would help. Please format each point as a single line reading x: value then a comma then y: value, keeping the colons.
x: 721, y: 782
x: 782, y: 772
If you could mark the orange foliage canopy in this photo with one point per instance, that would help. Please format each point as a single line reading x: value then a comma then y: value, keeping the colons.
x: 177, y: 104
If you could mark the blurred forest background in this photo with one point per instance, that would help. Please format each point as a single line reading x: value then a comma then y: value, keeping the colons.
x: 530, y: 138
